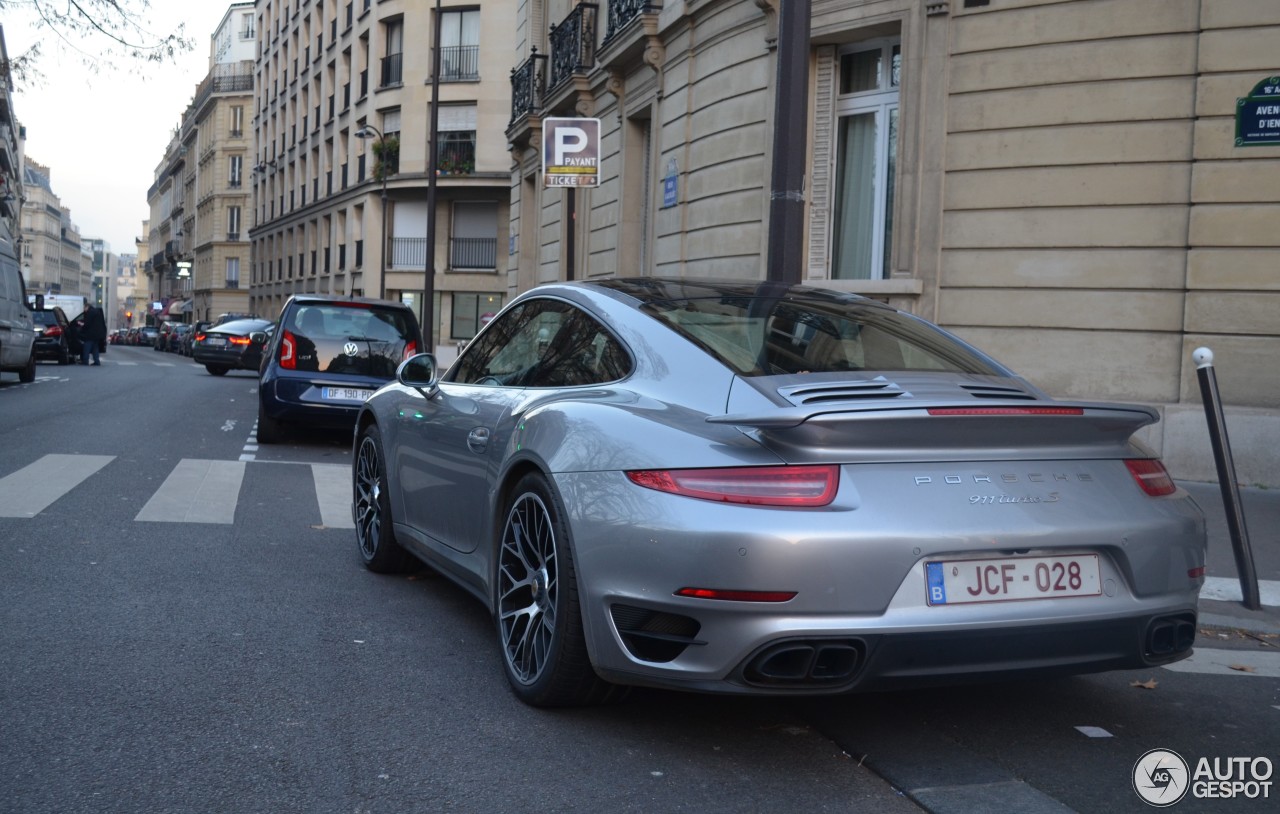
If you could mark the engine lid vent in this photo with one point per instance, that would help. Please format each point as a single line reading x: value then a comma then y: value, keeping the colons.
x: 861, y: 390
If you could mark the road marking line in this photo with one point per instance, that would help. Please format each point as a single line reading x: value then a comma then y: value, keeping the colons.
x: 197, y: 491
x: 1218, y: 662
x: 33, y: 488
x: 1227, y: 589
x: 333, y: 493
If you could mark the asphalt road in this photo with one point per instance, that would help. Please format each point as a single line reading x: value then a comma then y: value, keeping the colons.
x: 240, y: 659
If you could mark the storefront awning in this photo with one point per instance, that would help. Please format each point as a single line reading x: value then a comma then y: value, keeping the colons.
x: 177, y: 307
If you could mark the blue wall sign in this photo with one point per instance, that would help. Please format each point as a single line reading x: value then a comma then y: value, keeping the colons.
x: 1258, y: 115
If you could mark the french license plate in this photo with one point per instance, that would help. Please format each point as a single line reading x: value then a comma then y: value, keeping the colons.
x: 957, y: 582
x: 345, y: 394
x: 215, y: 341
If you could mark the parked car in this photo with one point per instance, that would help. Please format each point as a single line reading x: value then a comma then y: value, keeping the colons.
x: 17, y: 330
x: 190, y: 336
x: 235, y: 345
x: 147, y: 336
x: 327, y: 356
x: 752, y: 488
x: 51, y: 341
x: 173, y: 340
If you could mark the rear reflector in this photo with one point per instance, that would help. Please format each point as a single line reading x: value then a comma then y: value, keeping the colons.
x: 1151, y: 476
x: 795, y: 486
x: 737, y: 596
x: 1007, y: 411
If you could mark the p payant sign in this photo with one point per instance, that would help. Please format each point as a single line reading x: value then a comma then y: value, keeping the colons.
x: 570, y: 152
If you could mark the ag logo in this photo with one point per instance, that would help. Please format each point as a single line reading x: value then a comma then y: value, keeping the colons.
x: 1161, y: 777
x: 351, y: 349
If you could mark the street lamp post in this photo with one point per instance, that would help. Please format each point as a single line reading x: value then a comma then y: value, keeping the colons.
x: 366, y: 132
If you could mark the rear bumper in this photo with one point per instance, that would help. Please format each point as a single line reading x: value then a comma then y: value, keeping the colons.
x: 299, y: 401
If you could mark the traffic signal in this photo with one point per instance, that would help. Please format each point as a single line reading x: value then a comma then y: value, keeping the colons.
x: 128, y: 315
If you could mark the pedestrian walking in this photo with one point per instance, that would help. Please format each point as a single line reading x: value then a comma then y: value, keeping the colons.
x: 93, y: 335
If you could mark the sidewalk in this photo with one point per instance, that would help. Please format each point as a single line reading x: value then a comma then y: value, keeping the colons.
x: 1262, y: 520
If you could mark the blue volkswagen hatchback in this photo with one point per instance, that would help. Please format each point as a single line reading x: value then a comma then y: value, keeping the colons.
x: 327, y: 355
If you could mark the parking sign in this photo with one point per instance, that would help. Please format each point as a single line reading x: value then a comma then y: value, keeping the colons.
x: 570, y: 152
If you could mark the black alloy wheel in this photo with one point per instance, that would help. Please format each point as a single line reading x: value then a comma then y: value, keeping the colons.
x: 544, y: 649
x: 217, y: 370
x: 371, y: 508
x: 269, y: 430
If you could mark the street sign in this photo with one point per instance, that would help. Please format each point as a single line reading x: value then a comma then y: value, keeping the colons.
x: 570, y: 152
x: 1258, y: 115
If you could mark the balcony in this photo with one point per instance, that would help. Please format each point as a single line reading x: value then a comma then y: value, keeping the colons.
x: 408, y: 253
x: 573, y: 44
x: 392, y: 70
x: 623, y: 12
x: 459, y: 63
x: 473, y: 253
x: 528, y: 83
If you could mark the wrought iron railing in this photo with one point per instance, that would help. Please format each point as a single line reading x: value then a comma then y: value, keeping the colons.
x: 573, y: 44
x: 473, y: 253
x: 457, y: 153
x: 622, y: 12
x: 392, y: 70
x: 408, y: 252
x: 458, y: 62
x: 528, y: 83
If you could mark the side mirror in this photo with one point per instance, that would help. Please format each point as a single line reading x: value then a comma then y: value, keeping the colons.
x: 258, y: 337
x: 419, y: 372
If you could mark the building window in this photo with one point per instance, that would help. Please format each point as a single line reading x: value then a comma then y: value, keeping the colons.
x: 456, y: 154
x: 866, y: 152
x: 246, y: 27
x: 234, y: 171
x: 474, y: 241
x: 233, y: 223
x: 233, y: 272
x: 469, y: 310
x: 237, y: 121
x: 392, y: 63
x: 459, y: 45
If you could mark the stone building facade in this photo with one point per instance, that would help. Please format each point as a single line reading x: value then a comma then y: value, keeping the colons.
x: 198, y: 243
x: 1059, y: 181
x: 340, y: 85
x: 52, y: 256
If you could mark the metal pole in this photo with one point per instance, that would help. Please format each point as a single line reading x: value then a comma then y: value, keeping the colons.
x: 790, y: 143
x: 429, y: 274
x: 382, y: 273
x: 1203, y: 357
x: 571, y: 214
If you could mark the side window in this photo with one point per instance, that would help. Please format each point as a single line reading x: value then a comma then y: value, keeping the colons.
x: 543, y: 343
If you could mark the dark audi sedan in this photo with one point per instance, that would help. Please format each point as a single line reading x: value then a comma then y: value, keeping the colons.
x: 235, y: 345
x: 327, y: 356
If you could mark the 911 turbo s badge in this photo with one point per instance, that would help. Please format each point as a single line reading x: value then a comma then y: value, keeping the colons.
x: 351, y: 349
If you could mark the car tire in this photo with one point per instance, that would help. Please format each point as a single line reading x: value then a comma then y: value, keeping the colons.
x: 270, y: 430
x: 217, y: 370
x: 371, y: 508
x: 28, y: 374
x: 64, y: 355
x: 539, y: 620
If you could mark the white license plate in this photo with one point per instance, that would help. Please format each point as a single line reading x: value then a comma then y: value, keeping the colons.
x: 345, y: 394
x: 957, y: 582
x: 215, y: 341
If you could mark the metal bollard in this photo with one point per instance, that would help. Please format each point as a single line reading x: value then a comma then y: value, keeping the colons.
x: 1203, y: 357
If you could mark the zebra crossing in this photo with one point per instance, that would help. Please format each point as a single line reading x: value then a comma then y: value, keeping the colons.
x: 195, y: 491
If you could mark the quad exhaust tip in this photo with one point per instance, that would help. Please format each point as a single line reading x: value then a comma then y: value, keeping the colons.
x: 806, y: 664
x: 1170, y: 635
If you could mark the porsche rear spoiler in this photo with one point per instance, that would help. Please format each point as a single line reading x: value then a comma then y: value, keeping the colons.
x: 947, y: 429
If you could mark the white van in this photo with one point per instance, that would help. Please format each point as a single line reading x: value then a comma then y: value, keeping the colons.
x: 17, y: 330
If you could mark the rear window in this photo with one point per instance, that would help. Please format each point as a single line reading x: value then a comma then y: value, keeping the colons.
x: 759, y: 336
x: 353, y: 338
x: 45, y: 317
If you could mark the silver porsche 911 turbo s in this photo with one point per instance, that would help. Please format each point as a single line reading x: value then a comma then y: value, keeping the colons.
x: 747, y: 487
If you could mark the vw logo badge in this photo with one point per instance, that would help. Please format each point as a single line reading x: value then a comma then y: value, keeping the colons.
x: 351, y: 349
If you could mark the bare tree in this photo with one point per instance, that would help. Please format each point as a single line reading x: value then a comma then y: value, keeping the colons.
x: 103, y: 33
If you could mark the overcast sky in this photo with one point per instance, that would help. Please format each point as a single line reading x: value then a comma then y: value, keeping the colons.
x: 102, y: 135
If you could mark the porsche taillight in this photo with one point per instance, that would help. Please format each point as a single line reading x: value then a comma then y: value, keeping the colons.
x: 790, y: 486
x: 1151, y: 475
x: 288, y: 351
